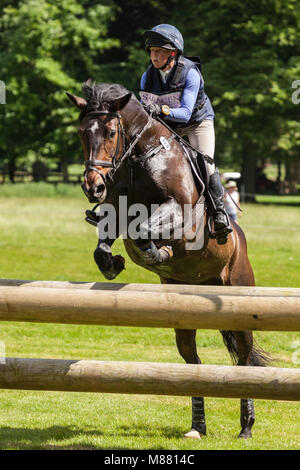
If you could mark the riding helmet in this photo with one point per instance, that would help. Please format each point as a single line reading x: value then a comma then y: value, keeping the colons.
x: 165, y: 36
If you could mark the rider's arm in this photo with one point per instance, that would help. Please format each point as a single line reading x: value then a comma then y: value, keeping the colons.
x: 188, y: 99
x: 189, y: 95
x: 143, y: 81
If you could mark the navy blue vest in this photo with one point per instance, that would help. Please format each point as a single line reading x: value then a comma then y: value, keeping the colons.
x: 176, y: 82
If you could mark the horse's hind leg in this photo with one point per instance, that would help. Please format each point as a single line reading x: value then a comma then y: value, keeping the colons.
x: 186, y: 344
x: 244, y: 341
x: 240, y: 346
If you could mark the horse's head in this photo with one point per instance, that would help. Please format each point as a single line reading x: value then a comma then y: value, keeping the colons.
x: 102, y: 136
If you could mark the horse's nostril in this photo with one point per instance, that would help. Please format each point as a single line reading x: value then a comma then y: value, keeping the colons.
x: 100, y: 188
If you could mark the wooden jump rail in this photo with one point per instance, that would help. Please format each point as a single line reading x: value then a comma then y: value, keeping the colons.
x: 150, y: 378
x: 172, y: 306
x: 190, y: 307
x: 162, y: 288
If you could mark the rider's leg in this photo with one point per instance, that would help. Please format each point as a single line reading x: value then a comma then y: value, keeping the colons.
x: 202, y: 137
x: 164, y: 224
x: 217, y: 191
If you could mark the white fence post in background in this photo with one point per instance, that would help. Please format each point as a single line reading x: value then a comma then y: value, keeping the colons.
x: 2, y: 92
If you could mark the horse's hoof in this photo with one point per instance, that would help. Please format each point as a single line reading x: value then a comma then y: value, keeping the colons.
x: 119, y: 263
x: 110, y: 266
x: 245, y: 434
x: 109, y: 275
x: 113, y: 272
x: 193, y: 434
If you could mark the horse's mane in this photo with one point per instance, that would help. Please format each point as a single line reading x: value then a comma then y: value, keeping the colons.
x: 100, y: 94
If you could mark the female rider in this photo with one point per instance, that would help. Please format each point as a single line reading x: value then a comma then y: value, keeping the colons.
x: 188, y: 108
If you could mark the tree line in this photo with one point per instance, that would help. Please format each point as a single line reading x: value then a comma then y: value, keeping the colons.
x: 250, y: 60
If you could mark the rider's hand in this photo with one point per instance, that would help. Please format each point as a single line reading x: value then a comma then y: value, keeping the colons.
x: 153, y: 108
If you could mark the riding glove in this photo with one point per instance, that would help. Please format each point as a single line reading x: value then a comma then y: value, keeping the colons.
x: 153, y: 108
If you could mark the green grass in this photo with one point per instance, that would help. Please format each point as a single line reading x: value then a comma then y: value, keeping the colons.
x: 40, y: 190
x: 47, y: 238
x: 273, y: 243
x: 278, y: 200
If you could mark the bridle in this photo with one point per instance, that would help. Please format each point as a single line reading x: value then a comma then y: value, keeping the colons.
x: 91, y: 164
x: 115, y: 162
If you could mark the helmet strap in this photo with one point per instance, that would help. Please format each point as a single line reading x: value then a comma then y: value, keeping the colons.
x: 169, y: 59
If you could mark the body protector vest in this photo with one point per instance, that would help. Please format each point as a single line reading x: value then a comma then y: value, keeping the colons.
x: 176, y: 83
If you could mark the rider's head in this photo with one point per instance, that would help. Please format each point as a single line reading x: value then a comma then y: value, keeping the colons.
x: 166, y: 38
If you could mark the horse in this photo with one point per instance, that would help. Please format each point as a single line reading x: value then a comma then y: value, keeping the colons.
x: 128, y: 153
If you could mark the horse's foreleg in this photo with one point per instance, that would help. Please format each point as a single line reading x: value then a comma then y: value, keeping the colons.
x: 109, y: 265
x: 186, y: 344
x: 162, y: 225
x: 108, y: 229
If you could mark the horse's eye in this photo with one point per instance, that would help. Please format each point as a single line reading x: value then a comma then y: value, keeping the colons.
x: 112, y: 134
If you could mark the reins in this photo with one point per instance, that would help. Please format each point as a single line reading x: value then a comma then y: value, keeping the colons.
x: 235, y: 203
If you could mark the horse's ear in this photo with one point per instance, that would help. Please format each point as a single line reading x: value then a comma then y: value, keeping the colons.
x: 119, y: 103
x: 79, y: 102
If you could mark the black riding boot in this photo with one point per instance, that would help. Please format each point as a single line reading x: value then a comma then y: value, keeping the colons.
x: 220, y: 217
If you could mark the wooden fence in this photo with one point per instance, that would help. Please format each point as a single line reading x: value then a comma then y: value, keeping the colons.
x: 151, y: 305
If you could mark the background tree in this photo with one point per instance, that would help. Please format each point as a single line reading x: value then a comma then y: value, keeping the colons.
x: 47, y: 48
x: 250, y: 57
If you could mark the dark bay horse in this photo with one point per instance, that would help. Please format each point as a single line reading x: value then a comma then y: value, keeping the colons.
x: 128, y: 153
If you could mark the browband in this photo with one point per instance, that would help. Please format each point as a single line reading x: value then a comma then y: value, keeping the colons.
x: 96, y: 113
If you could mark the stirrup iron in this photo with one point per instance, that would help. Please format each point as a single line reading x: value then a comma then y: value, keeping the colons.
x: 92, y: 217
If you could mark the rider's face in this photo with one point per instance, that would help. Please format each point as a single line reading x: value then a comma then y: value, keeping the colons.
x: 159, y: 56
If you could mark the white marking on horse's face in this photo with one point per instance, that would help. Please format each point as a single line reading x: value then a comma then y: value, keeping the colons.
x: 94, y: 127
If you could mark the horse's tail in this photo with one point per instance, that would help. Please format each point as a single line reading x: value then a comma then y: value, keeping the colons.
x: 258, y: 357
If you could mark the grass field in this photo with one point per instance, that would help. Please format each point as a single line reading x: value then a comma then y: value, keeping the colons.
x: 44, y: 236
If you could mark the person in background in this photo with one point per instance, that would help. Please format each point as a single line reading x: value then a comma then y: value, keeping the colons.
x: 193, y: 115
x: 231, y: 198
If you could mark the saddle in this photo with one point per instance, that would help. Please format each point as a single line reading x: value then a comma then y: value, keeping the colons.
x: 198, y: 163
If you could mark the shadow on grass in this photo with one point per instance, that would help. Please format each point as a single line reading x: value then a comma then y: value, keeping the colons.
x: 40, y: 438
